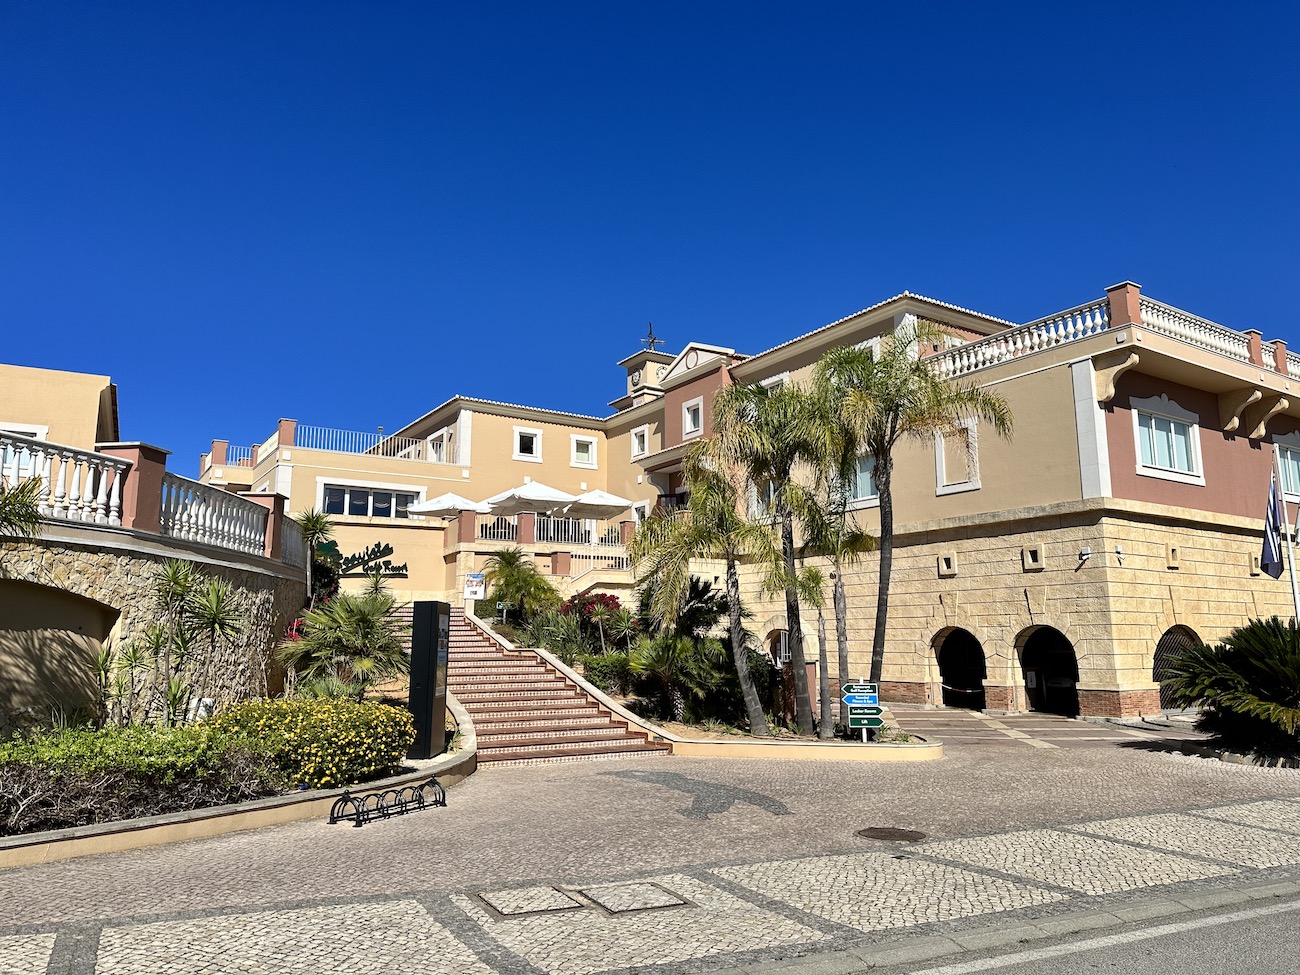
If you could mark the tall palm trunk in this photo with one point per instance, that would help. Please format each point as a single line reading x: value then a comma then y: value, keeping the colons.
x: 841, y: 626
x: 803, y: 717
x: 740, y: 655
x: 825, y: 723
x: 884, y: 472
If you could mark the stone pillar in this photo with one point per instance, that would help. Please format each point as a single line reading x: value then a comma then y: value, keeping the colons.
x: 220, y: 450
x: 1124, y: 304
x: 285, y: 432
x: 626, y: 529
x: 560, y: 564
x: 1255, y: 346
x: 466, y: 527
x: 1279, y: 357
x: 143, y: 489
x: 275, y: 505
x: 527, y: 528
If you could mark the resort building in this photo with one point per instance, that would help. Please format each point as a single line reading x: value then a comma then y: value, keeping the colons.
x: 1054, y: 570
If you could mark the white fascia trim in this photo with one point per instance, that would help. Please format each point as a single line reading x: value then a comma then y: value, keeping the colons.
x: 591, y: 465
x: 1163, y: 406
x: 860, y: 504
x: 533, y: 458
x: 34, y: 430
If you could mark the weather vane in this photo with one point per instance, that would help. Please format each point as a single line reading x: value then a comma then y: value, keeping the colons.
x: 650, y: 341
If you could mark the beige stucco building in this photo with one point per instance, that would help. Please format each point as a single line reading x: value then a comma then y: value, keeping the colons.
x: 1052, y: 570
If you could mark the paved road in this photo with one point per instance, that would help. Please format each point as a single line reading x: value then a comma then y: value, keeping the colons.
x: 961, y: 729
x: 670, y: 865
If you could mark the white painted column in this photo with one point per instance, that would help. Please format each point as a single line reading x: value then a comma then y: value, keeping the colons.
x: 1090, y: 431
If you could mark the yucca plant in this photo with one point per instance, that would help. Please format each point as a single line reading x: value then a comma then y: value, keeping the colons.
x: 1248, y: 686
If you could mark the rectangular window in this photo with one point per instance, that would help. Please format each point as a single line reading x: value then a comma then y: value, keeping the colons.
x: 640, y: 441
x: 864, y: 481
x: 584, y: 451
x: 1167, y: 440
x: 693, y: 417
x: 335, y: 499
x: 528, y: 444
x: 1165, y: 443
x: 640, y: 512
x: 360, y: 502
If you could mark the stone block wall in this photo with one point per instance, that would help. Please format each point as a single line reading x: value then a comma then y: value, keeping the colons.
x: 122, y: 579
x: 1112, y: 607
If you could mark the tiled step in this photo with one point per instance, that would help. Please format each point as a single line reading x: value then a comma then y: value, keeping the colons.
x: 544, y: 752
x: 525, y: 711
x: 576, y: 736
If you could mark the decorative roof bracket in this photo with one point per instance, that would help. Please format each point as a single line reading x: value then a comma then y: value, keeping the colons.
x: 1233, y: 404
x: 1107, y: 368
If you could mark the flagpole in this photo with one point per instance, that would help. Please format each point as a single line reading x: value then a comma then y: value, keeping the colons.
x: 1286, y: 533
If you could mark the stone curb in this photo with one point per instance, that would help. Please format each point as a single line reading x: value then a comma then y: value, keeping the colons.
x: 28, y: 849
x: 907, y: 951
x: 769, y: 748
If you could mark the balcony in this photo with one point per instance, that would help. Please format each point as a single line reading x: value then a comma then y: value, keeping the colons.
x: 125, y: 486
x: 1084, y: 321
x: 429, y: 451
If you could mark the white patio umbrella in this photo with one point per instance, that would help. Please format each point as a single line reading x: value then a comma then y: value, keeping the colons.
x: 533, y: 496
x: 447, y: 506
x: 597, y: 504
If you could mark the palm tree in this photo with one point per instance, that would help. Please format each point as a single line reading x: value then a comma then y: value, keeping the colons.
x: 711, y: 527
x: 767, y: 433
x: 598, y: 614
x: 19, y: 512
x: 515, y: 581
x: 684, y: 669
x: 357, y: 638
x: 1248, y: 686
x: 897, y: 395
x: 834, y: 533
x: 316, y: 528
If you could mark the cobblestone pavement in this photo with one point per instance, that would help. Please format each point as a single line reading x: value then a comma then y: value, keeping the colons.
x: 959, y: 728
x: 667, y: 865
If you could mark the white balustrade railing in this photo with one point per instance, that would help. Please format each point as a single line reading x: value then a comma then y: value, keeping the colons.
x: 76, y: 485
x: 293, y: 547
x: 195, y: 512
x: 1293, y: 365
x: 376, y: 444
x: 500, y: 529
x: 1067, y: 326
x: 1183, y: 325
x: 580, y: 563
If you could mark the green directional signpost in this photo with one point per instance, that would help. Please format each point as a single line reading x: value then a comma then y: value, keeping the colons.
x: 862, y: 708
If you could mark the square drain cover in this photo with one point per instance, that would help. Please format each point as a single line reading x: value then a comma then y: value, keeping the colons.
x: 529, y: 900
x: 617, y: 898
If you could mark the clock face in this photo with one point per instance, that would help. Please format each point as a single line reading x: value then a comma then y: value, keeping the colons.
x: 636, y: 376
x: 659, y: 372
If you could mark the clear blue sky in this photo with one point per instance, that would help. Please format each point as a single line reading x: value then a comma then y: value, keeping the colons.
x: 345, y: 213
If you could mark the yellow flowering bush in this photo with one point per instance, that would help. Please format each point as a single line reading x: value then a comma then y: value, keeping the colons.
x: 324, y: 743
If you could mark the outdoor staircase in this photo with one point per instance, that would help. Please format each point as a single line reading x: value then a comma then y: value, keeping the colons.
x: 524, y: 710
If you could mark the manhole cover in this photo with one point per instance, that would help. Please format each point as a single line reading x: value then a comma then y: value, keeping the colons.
x: 891, y: 833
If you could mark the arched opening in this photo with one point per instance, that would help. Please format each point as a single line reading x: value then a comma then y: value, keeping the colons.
x: 48, y: 642
x: 1051, y: 672
x: 1176, y: 639
x: 962, y: 669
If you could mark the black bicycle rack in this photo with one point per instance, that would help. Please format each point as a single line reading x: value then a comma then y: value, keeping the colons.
x: 391, y: 802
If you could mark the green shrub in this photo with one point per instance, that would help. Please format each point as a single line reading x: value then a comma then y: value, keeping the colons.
x: 78, y: 776
x: 610, y: 672
x: 324, y: 743
x: 1248, y: 686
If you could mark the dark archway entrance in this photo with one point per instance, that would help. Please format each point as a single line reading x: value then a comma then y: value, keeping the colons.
x: 962, y: 670
x: 1175, y: 640
x: 1051, y: 672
